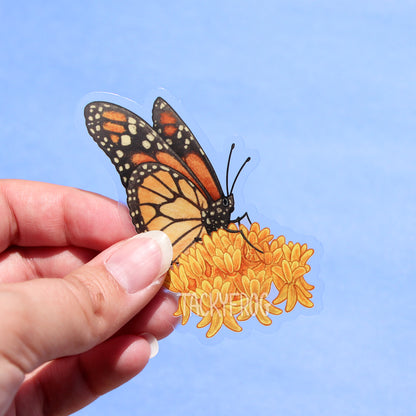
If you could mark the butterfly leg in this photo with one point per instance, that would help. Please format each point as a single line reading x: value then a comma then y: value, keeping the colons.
x: 244, y: 237
x: 238, y: 219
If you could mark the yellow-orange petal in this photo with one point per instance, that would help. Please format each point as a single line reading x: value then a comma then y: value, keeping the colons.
x: 300, y: 287
x: 287, y: 271
x: 183, y: 277
x: 264, y: 233
x: 195, y: 267
x: 281, y: 240
x: 217, y: 241
x: 298, y: 272
x: 195, y: 304
x: 204, y: 321
x: 174, y: 283
x: 208, y: 244
x: 269, y: 308
x: 306, y: 256
x: 202, y: 254
x: 303, y: 299
x: 295, y: 255
x: 246, y: 283
x: 245, y: 313
x: 230, y: 323
x: 255, y: 286
x: 236, y: 260
x: 239, y: 241
x: 305, y: 284
x: 216, y: 324
x: 265, y: 287
x: 277, y: 255
x: 225, y: 289
x: 291, y: 298
x: 278, y: 271
x: 206, y: 286
x: 262, y: 317
x: 255, y: 227
x: 219, y: 262
x: 287, y: 251
x: 228, y: 262
x: 204, y: 300
x: 186, y: 312
x: 268, y: 257
x: 217, y: 283
x: 226, y: 243
x: 282, y: 296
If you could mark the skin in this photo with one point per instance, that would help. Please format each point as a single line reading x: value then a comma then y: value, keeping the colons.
x: 68, y: 331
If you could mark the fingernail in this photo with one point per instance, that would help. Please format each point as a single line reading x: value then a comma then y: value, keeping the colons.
x: 154, y: 345
x: 141, y: 260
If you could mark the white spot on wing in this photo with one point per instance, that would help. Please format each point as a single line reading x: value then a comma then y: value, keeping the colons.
x: 125, y: 140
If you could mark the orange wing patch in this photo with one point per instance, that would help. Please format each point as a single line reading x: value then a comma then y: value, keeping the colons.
x: 183, y: 234
x: 148, y: 212
x: 168, y: 118
x: 168, y: 160
x: 166, y: 178
x: 114, y: 115
x: 113, y: 127
x: 148, y: 195
x: 157, y: 187
x: 180, y: 208
x: 168, y: 121
x: 196, y: 164
x: 138, y: 158
x: 114, y: 138
x: 170, y: 130
x: 158, y: 223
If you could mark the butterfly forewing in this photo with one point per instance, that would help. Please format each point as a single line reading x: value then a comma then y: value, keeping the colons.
x: 179, y: 137
x: 129, y: 141
x: 125, y: 137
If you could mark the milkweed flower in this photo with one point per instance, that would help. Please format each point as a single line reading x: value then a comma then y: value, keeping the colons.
x: 226, y: 279
x: 289, y: 276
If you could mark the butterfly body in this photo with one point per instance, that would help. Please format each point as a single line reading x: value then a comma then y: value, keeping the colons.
x: 170, y: 182
x: 218, y: 214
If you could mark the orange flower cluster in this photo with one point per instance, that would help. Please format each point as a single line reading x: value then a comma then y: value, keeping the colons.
x: 224, y: 279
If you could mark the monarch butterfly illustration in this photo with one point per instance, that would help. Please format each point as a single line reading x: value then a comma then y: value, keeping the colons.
x: 170, y: 182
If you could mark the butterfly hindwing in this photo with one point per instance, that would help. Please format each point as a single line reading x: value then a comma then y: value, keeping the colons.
x: 179, y: 137
x: 160, y: 198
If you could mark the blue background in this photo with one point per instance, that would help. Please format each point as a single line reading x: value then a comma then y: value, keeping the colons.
x: 324, y: 92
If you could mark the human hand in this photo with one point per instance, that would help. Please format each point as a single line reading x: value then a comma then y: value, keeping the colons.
x: 74, y: 298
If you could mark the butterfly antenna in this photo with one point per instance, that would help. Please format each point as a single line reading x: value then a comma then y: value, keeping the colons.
x: 228, y: 166
x: 235, y: 180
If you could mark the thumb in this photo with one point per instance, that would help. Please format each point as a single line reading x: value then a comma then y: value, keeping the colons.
x: 47, y: 318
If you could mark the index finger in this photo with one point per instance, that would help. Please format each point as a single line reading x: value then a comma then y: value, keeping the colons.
x: 42, y: 214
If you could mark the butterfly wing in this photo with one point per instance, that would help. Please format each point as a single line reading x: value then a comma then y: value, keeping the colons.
x: 129, y: 141
x: 179, y: 137
x: 162, y: 192
x: 160, y: 198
